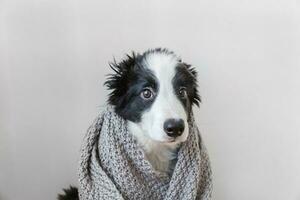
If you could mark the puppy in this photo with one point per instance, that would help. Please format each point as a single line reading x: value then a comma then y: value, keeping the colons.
x: 154, y: 92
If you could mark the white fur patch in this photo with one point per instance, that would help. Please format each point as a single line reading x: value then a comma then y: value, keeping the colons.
x: 150, y: 132
x: 166, y: 104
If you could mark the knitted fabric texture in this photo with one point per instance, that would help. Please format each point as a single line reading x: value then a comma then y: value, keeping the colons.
x: 113, y: 166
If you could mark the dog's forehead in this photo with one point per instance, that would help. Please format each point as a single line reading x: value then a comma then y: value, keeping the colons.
x: 162, y: 64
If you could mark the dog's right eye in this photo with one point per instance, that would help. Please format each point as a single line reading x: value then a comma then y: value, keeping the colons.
x: 183, y: 92
x: 147, y: 94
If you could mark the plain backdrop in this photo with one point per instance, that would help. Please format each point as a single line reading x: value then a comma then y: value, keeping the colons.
x: 54, y: 56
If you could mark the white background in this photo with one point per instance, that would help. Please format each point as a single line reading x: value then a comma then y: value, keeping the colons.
x: 54, y: 55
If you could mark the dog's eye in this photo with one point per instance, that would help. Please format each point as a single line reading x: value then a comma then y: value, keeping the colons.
x: 147, y: 94
x: 183, y: 92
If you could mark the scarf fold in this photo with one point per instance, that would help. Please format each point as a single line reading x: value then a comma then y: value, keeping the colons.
x: 113, y: 166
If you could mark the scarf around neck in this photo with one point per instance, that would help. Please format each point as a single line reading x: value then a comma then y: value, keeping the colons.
x: 112, y: 166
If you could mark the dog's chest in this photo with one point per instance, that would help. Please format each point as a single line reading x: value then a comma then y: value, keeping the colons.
x: 160, y: 163
x: 161, y: 157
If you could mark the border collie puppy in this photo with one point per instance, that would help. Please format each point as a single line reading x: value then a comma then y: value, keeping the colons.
x: 154, y: 92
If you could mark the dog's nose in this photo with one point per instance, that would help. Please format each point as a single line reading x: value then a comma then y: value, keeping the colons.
x: 174, y: 127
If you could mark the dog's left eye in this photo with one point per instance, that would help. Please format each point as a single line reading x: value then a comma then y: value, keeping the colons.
x: 183, y: 92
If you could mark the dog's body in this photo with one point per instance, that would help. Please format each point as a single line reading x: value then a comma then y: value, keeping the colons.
x: 154, y: 92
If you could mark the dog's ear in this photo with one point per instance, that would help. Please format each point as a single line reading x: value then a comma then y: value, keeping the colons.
x: 117, y: 82
x: 195, y: 97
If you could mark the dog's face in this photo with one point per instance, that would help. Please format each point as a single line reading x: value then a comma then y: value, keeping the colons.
x: 155, y: 92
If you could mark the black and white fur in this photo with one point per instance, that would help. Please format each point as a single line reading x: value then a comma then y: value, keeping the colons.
x: 154, y: 92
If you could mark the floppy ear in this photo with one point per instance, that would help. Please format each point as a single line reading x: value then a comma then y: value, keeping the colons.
x: 195, y: 97
x: 117, y: 82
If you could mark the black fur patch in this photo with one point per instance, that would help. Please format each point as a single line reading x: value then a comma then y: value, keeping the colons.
x: 186, y: 76
x: 130, y: 78
x: 69, y: 194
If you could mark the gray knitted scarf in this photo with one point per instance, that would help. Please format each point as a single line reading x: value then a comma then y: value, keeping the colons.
x: 113, y: 166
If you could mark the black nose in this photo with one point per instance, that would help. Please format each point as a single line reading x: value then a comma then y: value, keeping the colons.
x: 174, y: 127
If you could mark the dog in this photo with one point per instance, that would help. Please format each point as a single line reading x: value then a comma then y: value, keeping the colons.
x: 154, y: 92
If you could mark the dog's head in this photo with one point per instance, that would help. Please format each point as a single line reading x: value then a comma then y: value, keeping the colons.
x: 155, y: 92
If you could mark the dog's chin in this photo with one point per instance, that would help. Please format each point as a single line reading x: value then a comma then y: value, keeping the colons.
x: 169, y: 140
